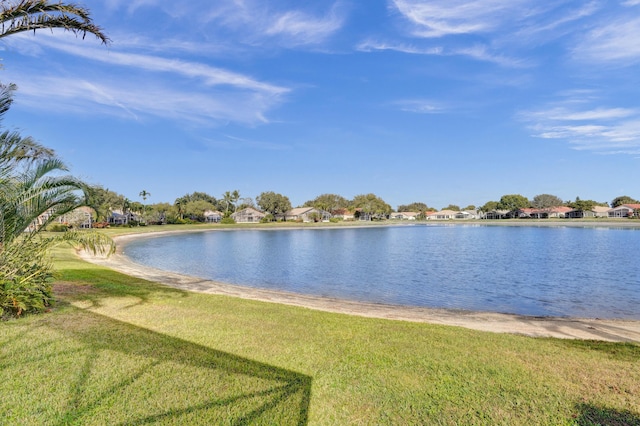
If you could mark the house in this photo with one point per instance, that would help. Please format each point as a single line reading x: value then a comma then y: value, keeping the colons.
x: 467, y: 215
x: 405, y: 215
x: 117, y: 217
x: 625, y: 210
x: 343, y: 214
x: 496, y: 214
x: 597, y: 211
x: 307, y: 214
x: 248, y: 215
x: 442, y: 215
x: 212, y: 216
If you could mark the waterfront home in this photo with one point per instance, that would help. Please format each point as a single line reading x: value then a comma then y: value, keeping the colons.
x: 212, y: 216
x: 248, y: 215
x: 625, y: 210
x: 496, y: 214
x: 118, y: 217
x: 442, y: 215
x: 307, y: 214
x: 597, y: 211
x: 404, y: 215
x: 467, y: 215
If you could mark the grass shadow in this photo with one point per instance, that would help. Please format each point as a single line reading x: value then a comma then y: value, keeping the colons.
x: 590, y: 415
x: 93, y: 284
x: 123, y: 374
x: 621, y: 351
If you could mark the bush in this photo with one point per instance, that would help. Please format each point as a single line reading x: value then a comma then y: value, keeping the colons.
x: 267, y: 219
x: 25, y: 279
x: 58, y: 227
x: 228, y: 220
x: 335, y: 219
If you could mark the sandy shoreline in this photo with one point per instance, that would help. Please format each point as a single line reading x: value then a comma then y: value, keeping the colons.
x: 571, y: 328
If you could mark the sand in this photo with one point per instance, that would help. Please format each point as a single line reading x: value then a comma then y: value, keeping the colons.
x: 560, y: 327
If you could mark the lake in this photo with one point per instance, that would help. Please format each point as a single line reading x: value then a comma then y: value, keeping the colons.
x: 528, y: 270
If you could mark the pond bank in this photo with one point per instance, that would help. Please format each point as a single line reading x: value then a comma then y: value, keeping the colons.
x: 573, y: 328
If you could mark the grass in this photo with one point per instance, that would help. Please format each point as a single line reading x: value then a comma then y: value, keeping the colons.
x: 120, y: 350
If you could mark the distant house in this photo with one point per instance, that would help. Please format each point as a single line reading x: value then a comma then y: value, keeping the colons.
x: 467, y: 215
x: 405, y: 215
x: 597, y: 211
x: 442, y: 215
x: 625, y: 210
x: 343, y: 214
x: 212, y: 216
x: 496, y: 214
x: 307, y: 214
x: 117, y: 217
x: 248, y: 215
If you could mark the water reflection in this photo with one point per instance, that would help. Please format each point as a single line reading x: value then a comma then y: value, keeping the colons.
x: 559, y: 271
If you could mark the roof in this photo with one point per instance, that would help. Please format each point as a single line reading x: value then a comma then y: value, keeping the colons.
x: 298, y: 211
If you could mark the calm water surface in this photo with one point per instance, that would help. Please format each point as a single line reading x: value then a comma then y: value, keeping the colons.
x: 558, y: 271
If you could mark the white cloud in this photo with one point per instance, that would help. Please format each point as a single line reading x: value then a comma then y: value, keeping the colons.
x: 300, y: 28
x: 585, y: 127
x: 137, y: 100
x: 438, y: 18
x: 421, y: 106
x: 477, y: 52
x: 614, y: 41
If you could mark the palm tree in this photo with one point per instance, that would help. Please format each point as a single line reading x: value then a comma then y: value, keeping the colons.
x: 144, y: 194
x: 235, y: 196
x: 32, y: 195
x: 227, y: 198
x: 31, y: 15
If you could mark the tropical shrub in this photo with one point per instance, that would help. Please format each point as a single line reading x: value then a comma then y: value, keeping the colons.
x: 33, y: 194
x: 228, y: 220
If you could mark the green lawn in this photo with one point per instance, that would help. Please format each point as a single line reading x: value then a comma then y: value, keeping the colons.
x: 120, y: 350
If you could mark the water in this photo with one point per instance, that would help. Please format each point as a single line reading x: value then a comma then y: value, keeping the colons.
x: 546, y: 271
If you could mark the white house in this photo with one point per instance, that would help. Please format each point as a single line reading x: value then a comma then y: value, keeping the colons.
x: 625, y: 210
x: 307, y: 214
x: 212, y: 216
x: 404, y: 215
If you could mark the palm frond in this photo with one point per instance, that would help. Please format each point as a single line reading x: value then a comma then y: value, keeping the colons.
x: 31, y: 15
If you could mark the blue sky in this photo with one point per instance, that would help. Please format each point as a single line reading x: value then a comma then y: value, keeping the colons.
x: 443, y: 101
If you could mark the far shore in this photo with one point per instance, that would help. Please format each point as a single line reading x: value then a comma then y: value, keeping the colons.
x: 559, y: 327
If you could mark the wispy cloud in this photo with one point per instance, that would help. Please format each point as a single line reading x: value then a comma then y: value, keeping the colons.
x: 188, y: 91
x: 587, y: 127
x: 299, y: 28
x: 137, y: 100
x: 421, y: 106
x: 612, y: 42
x: 438, y: 18
x: 477, y: 52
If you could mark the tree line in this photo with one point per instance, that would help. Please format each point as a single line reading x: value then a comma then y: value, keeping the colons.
x: 192, y: 207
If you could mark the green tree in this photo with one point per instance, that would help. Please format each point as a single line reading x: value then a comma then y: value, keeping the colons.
x: 470, y: 207
x: 583, y: 205
x: 273, y: 203
x: 31, y: 15
x: 513, y: 202
x: 328, y: 202
x: 144, y: 194
x: 490, y: 206
x: 104, y: 202
x: 33, y: 194
x: 195, y: 209
x: 227, y: 199
x: 235, y: 196
x: 546, y: 201
x: 371, y: 206
x: 452, y: 207
x: 623, y: 199
x: 413, y: 207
